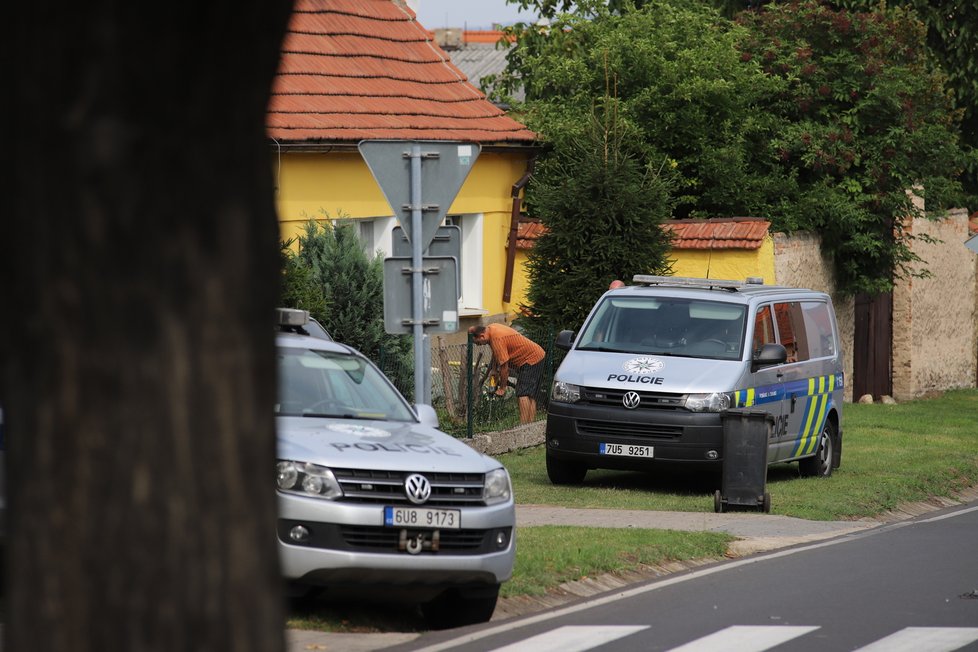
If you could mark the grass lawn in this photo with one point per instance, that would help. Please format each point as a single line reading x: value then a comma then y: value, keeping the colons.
x: 891, y: 454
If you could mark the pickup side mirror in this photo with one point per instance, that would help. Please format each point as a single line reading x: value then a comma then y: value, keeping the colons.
x: 426, y: 415
x: 769, y: 355
x: 565, y: 339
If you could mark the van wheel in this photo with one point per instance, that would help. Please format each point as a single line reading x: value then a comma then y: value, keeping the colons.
x: 458, y: 607
x: 564, y: 472
x: 820, y: 464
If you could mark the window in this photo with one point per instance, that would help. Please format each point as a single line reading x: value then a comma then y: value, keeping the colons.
x: 470, y: 263
x: 791, y: 330
x: 763, y: 328
x: 818, y: 325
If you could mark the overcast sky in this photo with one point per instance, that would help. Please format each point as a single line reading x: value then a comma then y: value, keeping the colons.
x: 469, y: 14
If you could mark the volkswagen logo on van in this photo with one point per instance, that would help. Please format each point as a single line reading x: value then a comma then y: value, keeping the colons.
x: 417, y: 488
x: 631, y: 400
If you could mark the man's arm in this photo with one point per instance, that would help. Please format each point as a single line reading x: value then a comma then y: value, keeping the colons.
x: 502, y: 378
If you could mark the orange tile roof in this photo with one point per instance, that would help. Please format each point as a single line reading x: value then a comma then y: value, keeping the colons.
x: 366, y: 69
x: 715, y: 233
x: 527, y: 232
x: 718, y: 233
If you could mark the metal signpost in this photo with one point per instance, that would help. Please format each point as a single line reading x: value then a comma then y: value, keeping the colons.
x: 397, y: 166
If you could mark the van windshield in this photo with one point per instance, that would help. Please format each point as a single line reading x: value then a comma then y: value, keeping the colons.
x: 667, y: 326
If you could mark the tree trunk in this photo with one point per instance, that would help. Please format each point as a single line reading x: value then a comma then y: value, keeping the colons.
x: 139, y: 267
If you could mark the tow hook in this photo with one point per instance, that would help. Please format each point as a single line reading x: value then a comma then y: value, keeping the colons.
x: 418, y: 541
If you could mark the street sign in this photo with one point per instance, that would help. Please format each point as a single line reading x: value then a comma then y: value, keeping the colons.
x: 444, y: 166
x: 438, y: 291
x: 447, y: 242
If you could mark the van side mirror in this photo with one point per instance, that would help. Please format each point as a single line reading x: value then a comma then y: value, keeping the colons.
x: 565, y: 339
x: 770, y: 354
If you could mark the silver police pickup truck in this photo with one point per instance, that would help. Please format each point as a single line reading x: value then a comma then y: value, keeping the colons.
x: 372, y: 496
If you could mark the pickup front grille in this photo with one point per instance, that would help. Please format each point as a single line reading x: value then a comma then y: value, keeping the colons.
x: 387, y: 487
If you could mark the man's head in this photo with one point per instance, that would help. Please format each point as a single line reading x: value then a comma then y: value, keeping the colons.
x: 616, y: 284
x: 479, y: 334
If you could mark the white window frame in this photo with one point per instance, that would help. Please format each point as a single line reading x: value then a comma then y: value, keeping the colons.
x: 471, y: 272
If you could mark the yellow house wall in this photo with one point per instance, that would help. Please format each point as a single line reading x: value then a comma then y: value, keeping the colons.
x: 728, y: 264
x: 340, y: 184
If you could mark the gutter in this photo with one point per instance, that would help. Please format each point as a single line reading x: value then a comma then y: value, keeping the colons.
x: 514, y: 226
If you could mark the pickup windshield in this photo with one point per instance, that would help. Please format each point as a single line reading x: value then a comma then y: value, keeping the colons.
x: 316, y: 383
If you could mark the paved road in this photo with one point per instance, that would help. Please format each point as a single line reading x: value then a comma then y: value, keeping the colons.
x: 758, y: 532
x: 908, y: 587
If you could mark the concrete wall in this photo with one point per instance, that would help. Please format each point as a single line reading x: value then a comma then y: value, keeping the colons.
x: 798, y: 262
x: 934, y: 332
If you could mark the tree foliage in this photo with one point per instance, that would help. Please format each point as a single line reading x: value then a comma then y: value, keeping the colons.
x: 602, y: 207
x: 817, y: 119
x: 330, y: 275
x: 864, y: 119
x: 952, y: 38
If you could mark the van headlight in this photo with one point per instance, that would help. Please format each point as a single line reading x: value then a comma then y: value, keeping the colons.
x: 565, y: 392
x: 497, y: 488
x: 304, y: 479
x: 715, y: 402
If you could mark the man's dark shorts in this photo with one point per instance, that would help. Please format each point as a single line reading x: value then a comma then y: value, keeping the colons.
x: 528, y: 379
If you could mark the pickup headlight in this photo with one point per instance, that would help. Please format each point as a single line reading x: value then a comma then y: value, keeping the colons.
x: 304, y: 479
x: 715, y: 402
x: 497, y: 488
x: 565, y: 392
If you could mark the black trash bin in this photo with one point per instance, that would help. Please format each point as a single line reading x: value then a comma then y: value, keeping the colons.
x: 745, y: 437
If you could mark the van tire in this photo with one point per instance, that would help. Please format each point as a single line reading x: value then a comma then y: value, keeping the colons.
x: 821, y: 463
x: 564, y: 472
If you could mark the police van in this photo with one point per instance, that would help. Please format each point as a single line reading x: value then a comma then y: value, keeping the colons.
x: 657, y: 363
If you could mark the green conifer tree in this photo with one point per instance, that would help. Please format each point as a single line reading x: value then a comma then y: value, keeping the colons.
x: 602, y: 209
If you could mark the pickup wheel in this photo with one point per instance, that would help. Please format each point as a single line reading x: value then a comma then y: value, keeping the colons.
x: 459, y: 607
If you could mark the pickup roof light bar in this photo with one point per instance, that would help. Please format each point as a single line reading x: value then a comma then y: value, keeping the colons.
x: 684, y: 281
x: 291, y: 317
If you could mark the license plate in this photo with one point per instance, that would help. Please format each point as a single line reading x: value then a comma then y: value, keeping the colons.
x: 625, y: 450
x: 442, y: 519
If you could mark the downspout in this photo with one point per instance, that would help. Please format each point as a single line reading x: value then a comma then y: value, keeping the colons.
x: 514, y: 227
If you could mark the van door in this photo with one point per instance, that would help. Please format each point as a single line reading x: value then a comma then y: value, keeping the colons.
x: 808, y: 380
x: 766, y: 385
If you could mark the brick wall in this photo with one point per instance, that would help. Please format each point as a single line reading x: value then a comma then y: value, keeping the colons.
x: 935, y: 319
x: 934, y: 331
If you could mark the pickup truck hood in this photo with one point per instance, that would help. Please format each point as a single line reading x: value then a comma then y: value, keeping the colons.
x: 376, y: 445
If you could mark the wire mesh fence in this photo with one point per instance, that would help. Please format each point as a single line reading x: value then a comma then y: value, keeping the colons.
x: 463, y: 389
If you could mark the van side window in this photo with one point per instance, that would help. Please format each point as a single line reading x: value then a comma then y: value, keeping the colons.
x: 763, y: 328
x: 791, y: 330
x: 818, y: 325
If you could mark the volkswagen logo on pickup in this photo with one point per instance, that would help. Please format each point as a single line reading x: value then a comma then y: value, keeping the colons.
x: 417, y: 488
x: 631, y: 400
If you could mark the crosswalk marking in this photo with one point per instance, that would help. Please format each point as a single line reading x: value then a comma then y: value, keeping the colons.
x: 572, y: 638
x: 741, y: 638
x: 924, y: 639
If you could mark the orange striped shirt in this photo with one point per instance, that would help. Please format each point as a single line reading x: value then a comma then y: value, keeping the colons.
x: 509, y: 346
